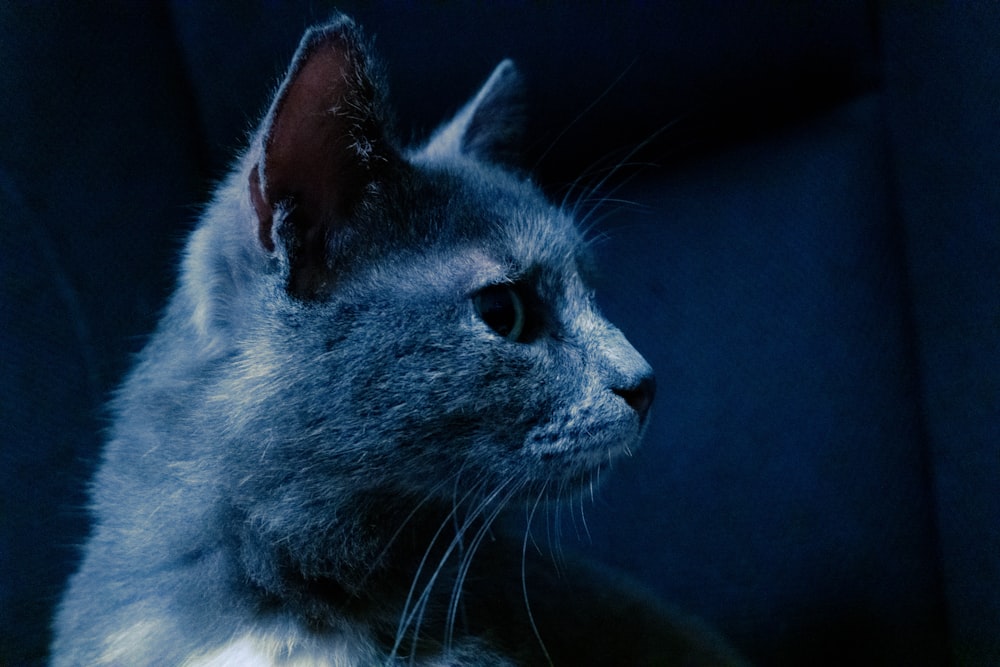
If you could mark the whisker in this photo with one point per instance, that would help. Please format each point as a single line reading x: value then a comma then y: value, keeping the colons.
x: 585, y: 223
x: 583, y: 514
x: 614, y: 170
x: 392, y: 539
x: 549, y: 528
x: 572, y: 504
x: 603, y: 169
x: 602, y: 209
x: 457, y: 542
x: 604, y: 93
x: 524, y: 578
x: 587, y: 192
x: 527, y: 517
x: 477, y: 539
x: 407, y: 615
x: 559, y: 522
x: 634, y: 151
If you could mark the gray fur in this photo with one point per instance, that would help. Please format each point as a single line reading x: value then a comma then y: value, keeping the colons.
x: 288, y: 450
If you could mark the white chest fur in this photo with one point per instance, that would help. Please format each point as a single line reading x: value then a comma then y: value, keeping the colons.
x: 275, y: 650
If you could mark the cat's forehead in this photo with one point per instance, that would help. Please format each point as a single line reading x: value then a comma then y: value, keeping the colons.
x: 507, y: 220
x: 469, y: 230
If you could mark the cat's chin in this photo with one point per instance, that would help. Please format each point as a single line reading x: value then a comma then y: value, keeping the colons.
x: 569, y: 443
x: 580, y: 462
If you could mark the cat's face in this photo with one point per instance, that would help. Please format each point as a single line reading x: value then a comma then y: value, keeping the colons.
x: 477, y: 357
x: 421, y: 324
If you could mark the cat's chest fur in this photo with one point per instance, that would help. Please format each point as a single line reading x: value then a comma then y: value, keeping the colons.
x: 264, y: 650
x: 372, y: 351
x: 260, y: 647
x: 284, y: 649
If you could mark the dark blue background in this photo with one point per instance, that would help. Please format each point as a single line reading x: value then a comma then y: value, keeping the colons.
x: 811, y: 264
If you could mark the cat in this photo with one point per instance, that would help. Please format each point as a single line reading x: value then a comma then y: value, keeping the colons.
x: 371, y: 352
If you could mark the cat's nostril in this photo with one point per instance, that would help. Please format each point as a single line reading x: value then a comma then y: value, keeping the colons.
x: 640, y: 396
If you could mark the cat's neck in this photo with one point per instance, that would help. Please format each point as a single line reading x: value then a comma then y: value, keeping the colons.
x: 385, y: 552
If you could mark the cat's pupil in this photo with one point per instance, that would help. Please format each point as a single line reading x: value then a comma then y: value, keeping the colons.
x: 501, y: 309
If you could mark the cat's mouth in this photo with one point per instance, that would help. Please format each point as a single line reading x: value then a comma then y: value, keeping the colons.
x: 592, y: 433
x: 575, y: 451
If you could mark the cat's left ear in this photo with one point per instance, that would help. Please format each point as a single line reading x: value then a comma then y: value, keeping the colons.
x: 490, y: 126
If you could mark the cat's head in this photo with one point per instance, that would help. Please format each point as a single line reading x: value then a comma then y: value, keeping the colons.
x: 411, y: 322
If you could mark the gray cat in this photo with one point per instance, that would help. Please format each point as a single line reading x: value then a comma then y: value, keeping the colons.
x: 371, y: 352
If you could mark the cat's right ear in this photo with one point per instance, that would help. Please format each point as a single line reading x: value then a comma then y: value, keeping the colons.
x: 323, y: 144
x: 490, y: 126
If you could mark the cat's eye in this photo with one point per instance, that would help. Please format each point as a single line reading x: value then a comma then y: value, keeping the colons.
x: 502, y: 309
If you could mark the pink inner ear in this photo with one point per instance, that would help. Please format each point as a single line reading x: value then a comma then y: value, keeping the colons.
x: 308, y: 140
x: 311, y: 166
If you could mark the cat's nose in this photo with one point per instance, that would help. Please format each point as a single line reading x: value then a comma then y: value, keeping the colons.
x: 640, y: 395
